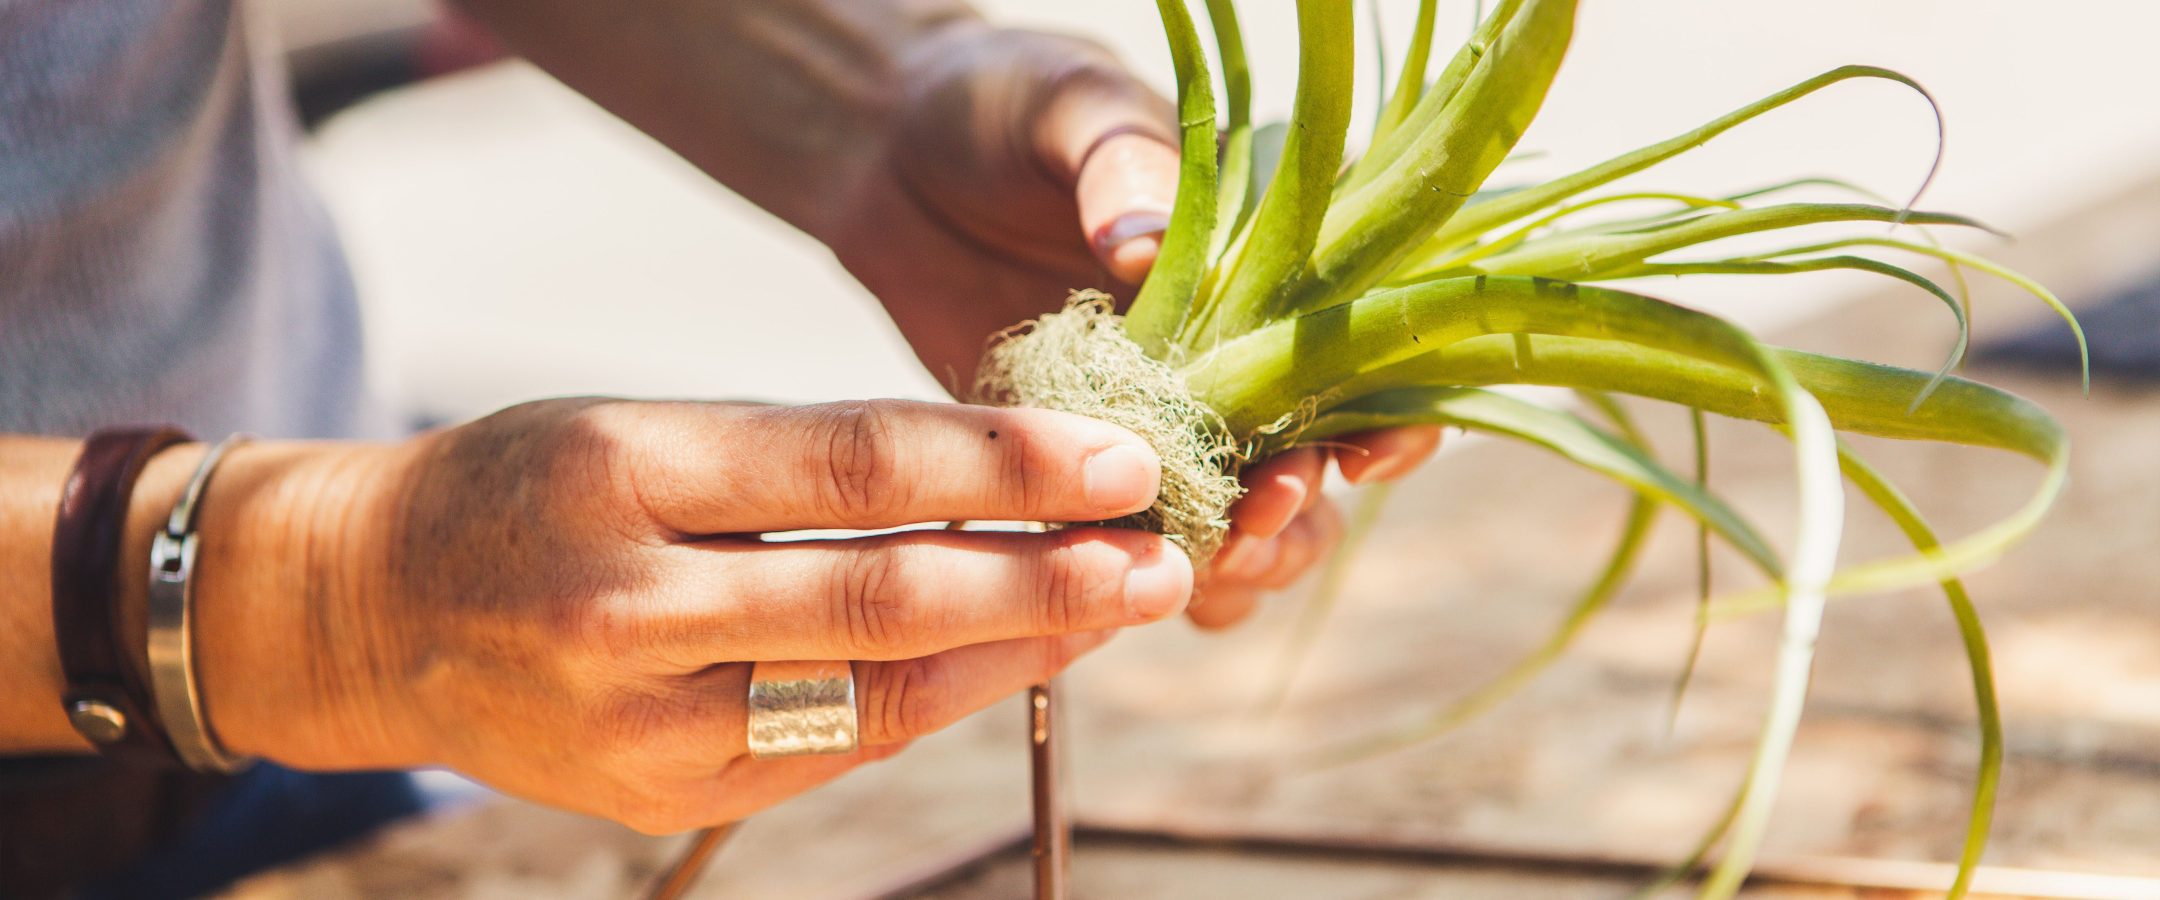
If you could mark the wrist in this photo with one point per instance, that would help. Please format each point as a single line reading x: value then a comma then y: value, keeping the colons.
x: 290, y: 654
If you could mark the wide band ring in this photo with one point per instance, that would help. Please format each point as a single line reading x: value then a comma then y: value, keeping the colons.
x: 802, y: 709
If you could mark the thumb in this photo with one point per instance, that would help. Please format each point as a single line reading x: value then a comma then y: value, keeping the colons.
x: 1112, y: 137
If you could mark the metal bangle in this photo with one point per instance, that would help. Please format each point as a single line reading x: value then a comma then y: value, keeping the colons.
x: 172, y: 650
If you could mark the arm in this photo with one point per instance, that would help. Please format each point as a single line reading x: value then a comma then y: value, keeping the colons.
x: 563, y: 599
x: 969, y: 176
x: 791, y: 104
x: 31, y: 472
x: 282, y: 512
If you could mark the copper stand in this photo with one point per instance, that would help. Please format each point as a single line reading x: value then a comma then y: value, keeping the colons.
x: 685, y: 872
x: 1053, y: 831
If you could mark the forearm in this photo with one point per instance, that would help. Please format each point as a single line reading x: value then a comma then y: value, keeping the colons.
x: 791, y: 104
x: 271, y: 530
x: 31, y: 473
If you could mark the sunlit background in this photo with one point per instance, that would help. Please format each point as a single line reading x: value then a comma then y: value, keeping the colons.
x: 514, y: 240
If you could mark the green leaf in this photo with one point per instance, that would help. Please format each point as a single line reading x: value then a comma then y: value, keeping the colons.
x: 1585, y: 255
x: 1268, y: 142
x: 1901, y: 510
x: 1253, y: 379
x: 1984, y: 264
x: 1289, y: 217
x: 1369, y: 230
x: 1701, y: 851
x: 1702, y: 574
x: 1313, y: 616
x: 1637, y: 345
x: 1793, y: 266
x: 1513, y: 239
x: 1860, y: 397
x: 1264, y: 149
x: 1474, y: 221
x: 1166, y: 299
x: 1974, y: 638
x: 1410, y: 84
x: 1237, y: 145
x: 1432, y: 100
x: 1618, y: 566
x: 1821, y: 520
x: 1563, y: 433
x: 1957, y: 272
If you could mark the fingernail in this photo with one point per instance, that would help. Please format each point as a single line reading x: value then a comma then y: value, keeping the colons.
x: 1119, y: 478
x: 1136, y: 224
x: 1386, y: 468
x: 1158, y: 584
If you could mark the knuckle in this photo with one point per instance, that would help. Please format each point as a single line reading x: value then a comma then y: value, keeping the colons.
x: 911, y: 703
x: 858, y: 462
x: 1020, y: 485
x: 1074, y: 48
x: 594, y: 441
x: 1081, y: 63
x: 872, y: 610
x: 1074, y: 591
x: 605, y: 634
x: 624, y: 723
x: 593, y: 459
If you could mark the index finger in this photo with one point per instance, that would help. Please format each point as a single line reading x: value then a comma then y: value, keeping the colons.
x: 708, y: 469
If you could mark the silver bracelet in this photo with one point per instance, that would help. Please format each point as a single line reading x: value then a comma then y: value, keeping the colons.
x: 172, y: 649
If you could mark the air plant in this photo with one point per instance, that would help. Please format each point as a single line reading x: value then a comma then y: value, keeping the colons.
x: 1402, y: 287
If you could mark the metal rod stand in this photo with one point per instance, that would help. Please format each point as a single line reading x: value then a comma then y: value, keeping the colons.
x: 1053, y: 832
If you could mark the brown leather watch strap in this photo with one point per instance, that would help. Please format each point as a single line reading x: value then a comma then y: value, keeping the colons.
x: 108, y: 696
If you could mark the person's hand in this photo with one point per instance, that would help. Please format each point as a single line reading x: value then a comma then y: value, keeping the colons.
x: 1032, y: 164
x: 1283, y: 526
x: 562, y: 600
x: 1023, y: 166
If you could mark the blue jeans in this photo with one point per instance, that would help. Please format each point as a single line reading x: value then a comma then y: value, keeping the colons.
x: 266, y: 817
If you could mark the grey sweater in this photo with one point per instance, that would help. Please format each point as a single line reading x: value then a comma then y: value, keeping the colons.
x: 160, y: 259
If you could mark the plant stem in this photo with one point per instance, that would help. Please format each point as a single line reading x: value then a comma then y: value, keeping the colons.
x: 1367, y: 232
x: 1165, y: 300
x: 1254, y: 379
x: 1410, y: 84
x: 1236, y: 169
x: 1288, y: 220
x: 1432, y: 100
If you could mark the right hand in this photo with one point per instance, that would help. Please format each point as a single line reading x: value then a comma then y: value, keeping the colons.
x: 562, y: 600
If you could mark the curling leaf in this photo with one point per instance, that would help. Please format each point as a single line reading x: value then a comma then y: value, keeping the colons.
x: 1485, y: 217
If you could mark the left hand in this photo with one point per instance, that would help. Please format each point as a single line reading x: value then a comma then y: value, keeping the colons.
x: 1008, y: 139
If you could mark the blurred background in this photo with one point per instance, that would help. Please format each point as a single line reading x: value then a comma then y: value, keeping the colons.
x: 513, y: 241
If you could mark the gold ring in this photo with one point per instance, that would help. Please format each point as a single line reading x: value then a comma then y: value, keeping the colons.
x: 802, y: 709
